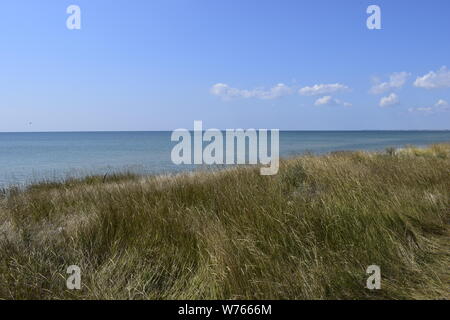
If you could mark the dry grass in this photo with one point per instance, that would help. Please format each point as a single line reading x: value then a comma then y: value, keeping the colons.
x: 307, y: 233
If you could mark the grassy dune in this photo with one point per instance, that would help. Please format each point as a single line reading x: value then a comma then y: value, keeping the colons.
x: 307, y: 233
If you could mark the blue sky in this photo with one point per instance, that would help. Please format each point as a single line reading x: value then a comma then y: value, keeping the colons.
x: 286, y: 64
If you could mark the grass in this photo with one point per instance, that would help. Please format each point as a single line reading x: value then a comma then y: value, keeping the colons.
x: 309, y: 232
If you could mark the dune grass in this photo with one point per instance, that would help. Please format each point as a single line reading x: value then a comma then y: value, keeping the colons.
x: 308, y: 232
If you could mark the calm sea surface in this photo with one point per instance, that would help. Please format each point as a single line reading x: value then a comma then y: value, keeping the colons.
x: 30, y: 157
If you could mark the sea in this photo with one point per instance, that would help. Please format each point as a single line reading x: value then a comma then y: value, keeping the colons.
x: 54, y: 156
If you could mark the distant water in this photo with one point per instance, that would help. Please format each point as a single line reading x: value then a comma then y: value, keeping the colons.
x: 30, y: 157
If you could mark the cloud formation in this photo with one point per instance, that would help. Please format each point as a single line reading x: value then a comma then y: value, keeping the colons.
x: 434, y: 80
x: 226, y: 92
x: 421, y: 110
x: 390, y: 100
x: 441, y: 103
x: 440, y: 106
x: 322, y: 89
x: 396, y: 80
x: 330, y: 101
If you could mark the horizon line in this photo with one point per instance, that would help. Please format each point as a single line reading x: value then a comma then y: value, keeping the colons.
x: 281, y: 130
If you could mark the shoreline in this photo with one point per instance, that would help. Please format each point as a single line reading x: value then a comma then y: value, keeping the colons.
x: 31, y: 158
x: 197, y: 168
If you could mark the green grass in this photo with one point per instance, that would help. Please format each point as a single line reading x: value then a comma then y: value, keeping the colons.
x: 309, y: 232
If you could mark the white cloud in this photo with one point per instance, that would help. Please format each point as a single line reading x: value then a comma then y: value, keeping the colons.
x: 390, y: 100
x: 330, y: 101
x: 421, y: 110
x: 396, y: 80
x: 322, y: 89
x: 441, y: 103
x: 323, y: 101
x: 433, y: 80
x: 440, y: 106
x: 226, y: 92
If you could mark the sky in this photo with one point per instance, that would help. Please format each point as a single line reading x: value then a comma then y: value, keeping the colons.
x: 285, y: 64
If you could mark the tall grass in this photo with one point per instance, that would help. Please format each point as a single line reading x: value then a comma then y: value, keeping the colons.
x: 309, y: 232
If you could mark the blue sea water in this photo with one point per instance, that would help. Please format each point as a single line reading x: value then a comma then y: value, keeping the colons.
x: 31, y: 157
